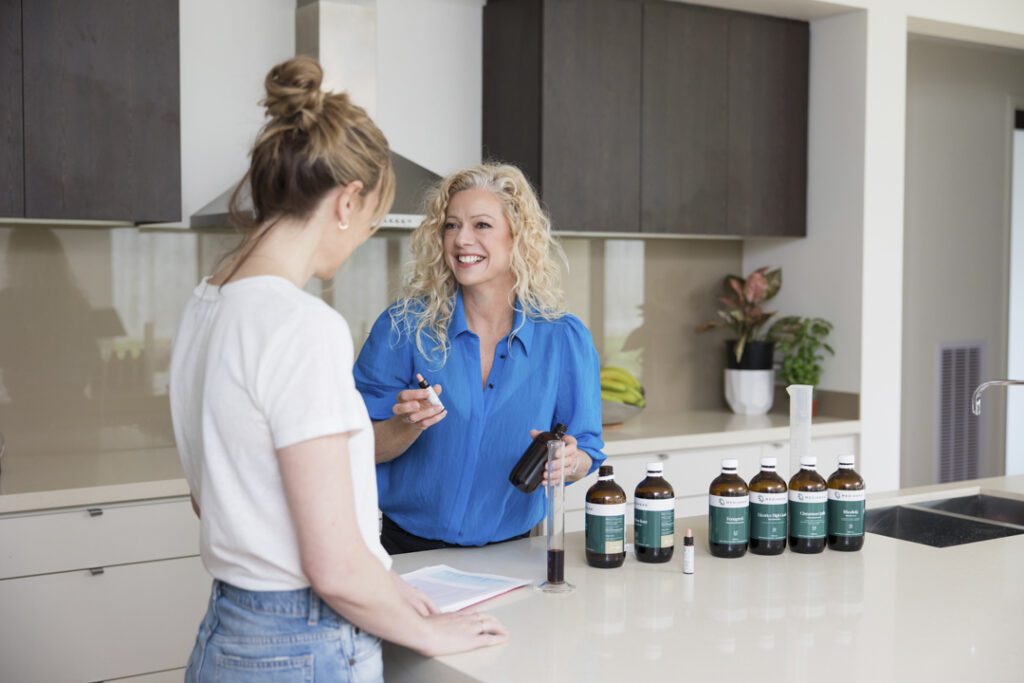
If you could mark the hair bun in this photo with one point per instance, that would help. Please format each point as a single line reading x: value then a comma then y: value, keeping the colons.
x: 293, y: 91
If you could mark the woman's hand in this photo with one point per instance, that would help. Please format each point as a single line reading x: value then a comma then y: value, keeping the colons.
x: 423, y: 605
x: 463, y: 631
x: 414, y: 410
x: 576, y: 462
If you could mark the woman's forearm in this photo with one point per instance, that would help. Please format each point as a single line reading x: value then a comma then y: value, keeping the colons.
x: 365, y: 594
x: 392, y: 438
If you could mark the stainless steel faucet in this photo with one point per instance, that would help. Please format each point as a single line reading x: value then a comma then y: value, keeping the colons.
x: 976, y: 401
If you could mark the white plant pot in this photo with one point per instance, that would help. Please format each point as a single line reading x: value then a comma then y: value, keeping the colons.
x: 750, y: 392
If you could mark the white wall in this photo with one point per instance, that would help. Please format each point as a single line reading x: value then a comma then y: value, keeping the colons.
x: 822, y: 272
x: 1015, y: 336
x: 959, y: 146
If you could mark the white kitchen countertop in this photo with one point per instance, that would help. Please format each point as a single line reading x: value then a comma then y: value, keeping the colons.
x: 131, y: 470
x: 895, y: 611
x: 649, y: 431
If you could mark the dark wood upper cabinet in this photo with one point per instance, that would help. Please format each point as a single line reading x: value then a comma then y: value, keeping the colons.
x: 684, y: 186
x: 649, y: 115
x: 101, y: 107
x: 562, y: 100
x: 768, y: 74
x: 12, y: 146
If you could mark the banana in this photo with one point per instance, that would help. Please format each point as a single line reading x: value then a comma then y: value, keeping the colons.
x: 619, y: 375
x: 612, y: 385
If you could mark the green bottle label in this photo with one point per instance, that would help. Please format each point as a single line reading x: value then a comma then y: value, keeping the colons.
x: 728, y: 519
x: 768, y: 516
x: 606, y: 528
x: 845, y: 512
x: 807, y: 514
x: 654, y: 522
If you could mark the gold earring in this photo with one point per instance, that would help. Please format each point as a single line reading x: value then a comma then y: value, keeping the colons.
x: 342, y: 226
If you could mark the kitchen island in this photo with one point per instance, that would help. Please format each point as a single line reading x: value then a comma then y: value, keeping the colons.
x: 896, y: 611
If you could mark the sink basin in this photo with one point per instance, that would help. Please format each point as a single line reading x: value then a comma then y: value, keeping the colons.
x: 982, y: 506
x: 932, y: 528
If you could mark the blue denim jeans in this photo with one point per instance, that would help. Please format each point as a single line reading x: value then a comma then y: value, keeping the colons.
x: 279, y: 636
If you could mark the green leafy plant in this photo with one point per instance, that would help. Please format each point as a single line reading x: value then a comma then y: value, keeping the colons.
x: 800, y: 343
x: 742, y: 302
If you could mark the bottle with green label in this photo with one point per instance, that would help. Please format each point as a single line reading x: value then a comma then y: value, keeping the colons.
x: 728, y: 512
x: 654, y: 511
x: 807, y: 508
x: 768, y: 507
x: 606, y: 521
x: 845, y: 507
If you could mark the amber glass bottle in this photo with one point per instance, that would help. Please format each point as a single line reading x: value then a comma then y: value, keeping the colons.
x: 606, y: 521
x: 807, y: 508
x: 768, y: 508
x: 845, y: 507
x: 654, y: 514
x: 728, y: 512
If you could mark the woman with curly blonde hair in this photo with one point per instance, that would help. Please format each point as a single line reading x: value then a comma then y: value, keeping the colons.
x: 482, y: 315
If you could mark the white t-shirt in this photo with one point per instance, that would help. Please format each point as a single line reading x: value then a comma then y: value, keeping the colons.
x: 258, y: 365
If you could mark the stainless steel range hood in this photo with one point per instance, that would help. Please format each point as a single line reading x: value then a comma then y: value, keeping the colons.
x: 342, y: 35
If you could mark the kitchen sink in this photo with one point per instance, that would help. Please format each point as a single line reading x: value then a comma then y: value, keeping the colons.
x: 982, y: 506
x: 932, y: 527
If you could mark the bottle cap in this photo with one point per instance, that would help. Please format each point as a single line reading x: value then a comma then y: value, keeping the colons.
x: 655, y: 468
x: 605, y: 471
x: 730, y: 464
x: 769, y: 463
x: 688, y: 538
x: 846, y: 460
x: 808, y: 461
x: 559, y: 430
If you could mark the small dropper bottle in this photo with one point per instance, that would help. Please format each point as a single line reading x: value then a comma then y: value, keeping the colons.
x: 432, y: 397
x: 688, y: 552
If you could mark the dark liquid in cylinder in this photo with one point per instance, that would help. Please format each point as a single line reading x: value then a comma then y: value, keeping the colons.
x: 556, y: 566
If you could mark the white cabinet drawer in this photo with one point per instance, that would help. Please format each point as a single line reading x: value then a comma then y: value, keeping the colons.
x: 79, y: 627
x: 46, y: 542
x: 689, y: 472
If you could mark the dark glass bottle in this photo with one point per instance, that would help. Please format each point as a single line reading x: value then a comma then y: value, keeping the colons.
x: 654, y: 513
x: 807, y: 508
x: 769, y: 506
x: 845, y: 507
x: 529, y: 471
x: 728, y: 512
x: 606, y: 521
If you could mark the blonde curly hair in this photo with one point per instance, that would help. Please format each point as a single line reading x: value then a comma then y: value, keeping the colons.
x: 427, y: 301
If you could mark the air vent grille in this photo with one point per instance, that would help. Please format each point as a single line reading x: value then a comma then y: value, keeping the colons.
x: 959, y: 375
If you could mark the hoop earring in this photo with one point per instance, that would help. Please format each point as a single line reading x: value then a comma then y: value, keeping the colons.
x: 342, y: 226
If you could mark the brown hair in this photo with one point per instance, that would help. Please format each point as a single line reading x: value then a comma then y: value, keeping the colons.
x: 314, y: 142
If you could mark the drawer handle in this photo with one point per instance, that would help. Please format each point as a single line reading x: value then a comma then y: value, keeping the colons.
x: 662, y: 456
x: 95, y: 512
x: 96, y: 571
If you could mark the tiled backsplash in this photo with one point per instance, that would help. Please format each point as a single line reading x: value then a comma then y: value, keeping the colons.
x: 87, y: 317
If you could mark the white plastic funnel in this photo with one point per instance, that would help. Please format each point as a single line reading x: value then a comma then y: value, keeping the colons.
x: 800, y: 396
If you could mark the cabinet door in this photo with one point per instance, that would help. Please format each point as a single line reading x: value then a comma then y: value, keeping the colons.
x: 12, y: 144
x: 768, y: 63
x: 591, y: 78
x: 101, y: 88
x: 76, y: 626
x: 685, y: 116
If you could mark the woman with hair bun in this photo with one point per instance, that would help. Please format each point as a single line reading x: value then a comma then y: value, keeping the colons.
x: 481, y: 315
x: 274, y: 439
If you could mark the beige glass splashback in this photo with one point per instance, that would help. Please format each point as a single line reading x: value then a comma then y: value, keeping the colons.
x: 87, y: 317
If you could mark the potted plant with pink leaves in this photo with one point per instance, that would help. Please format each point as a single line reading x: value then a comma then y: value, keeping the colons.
x: 749, y: 373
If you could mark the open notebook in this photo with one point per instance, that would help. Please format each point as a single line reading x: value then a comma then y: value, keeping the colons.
x: 452, y: 590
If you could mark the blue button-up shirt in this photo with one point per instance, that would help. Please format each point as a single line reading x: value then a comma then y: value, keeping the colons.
x: 452, y: 482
